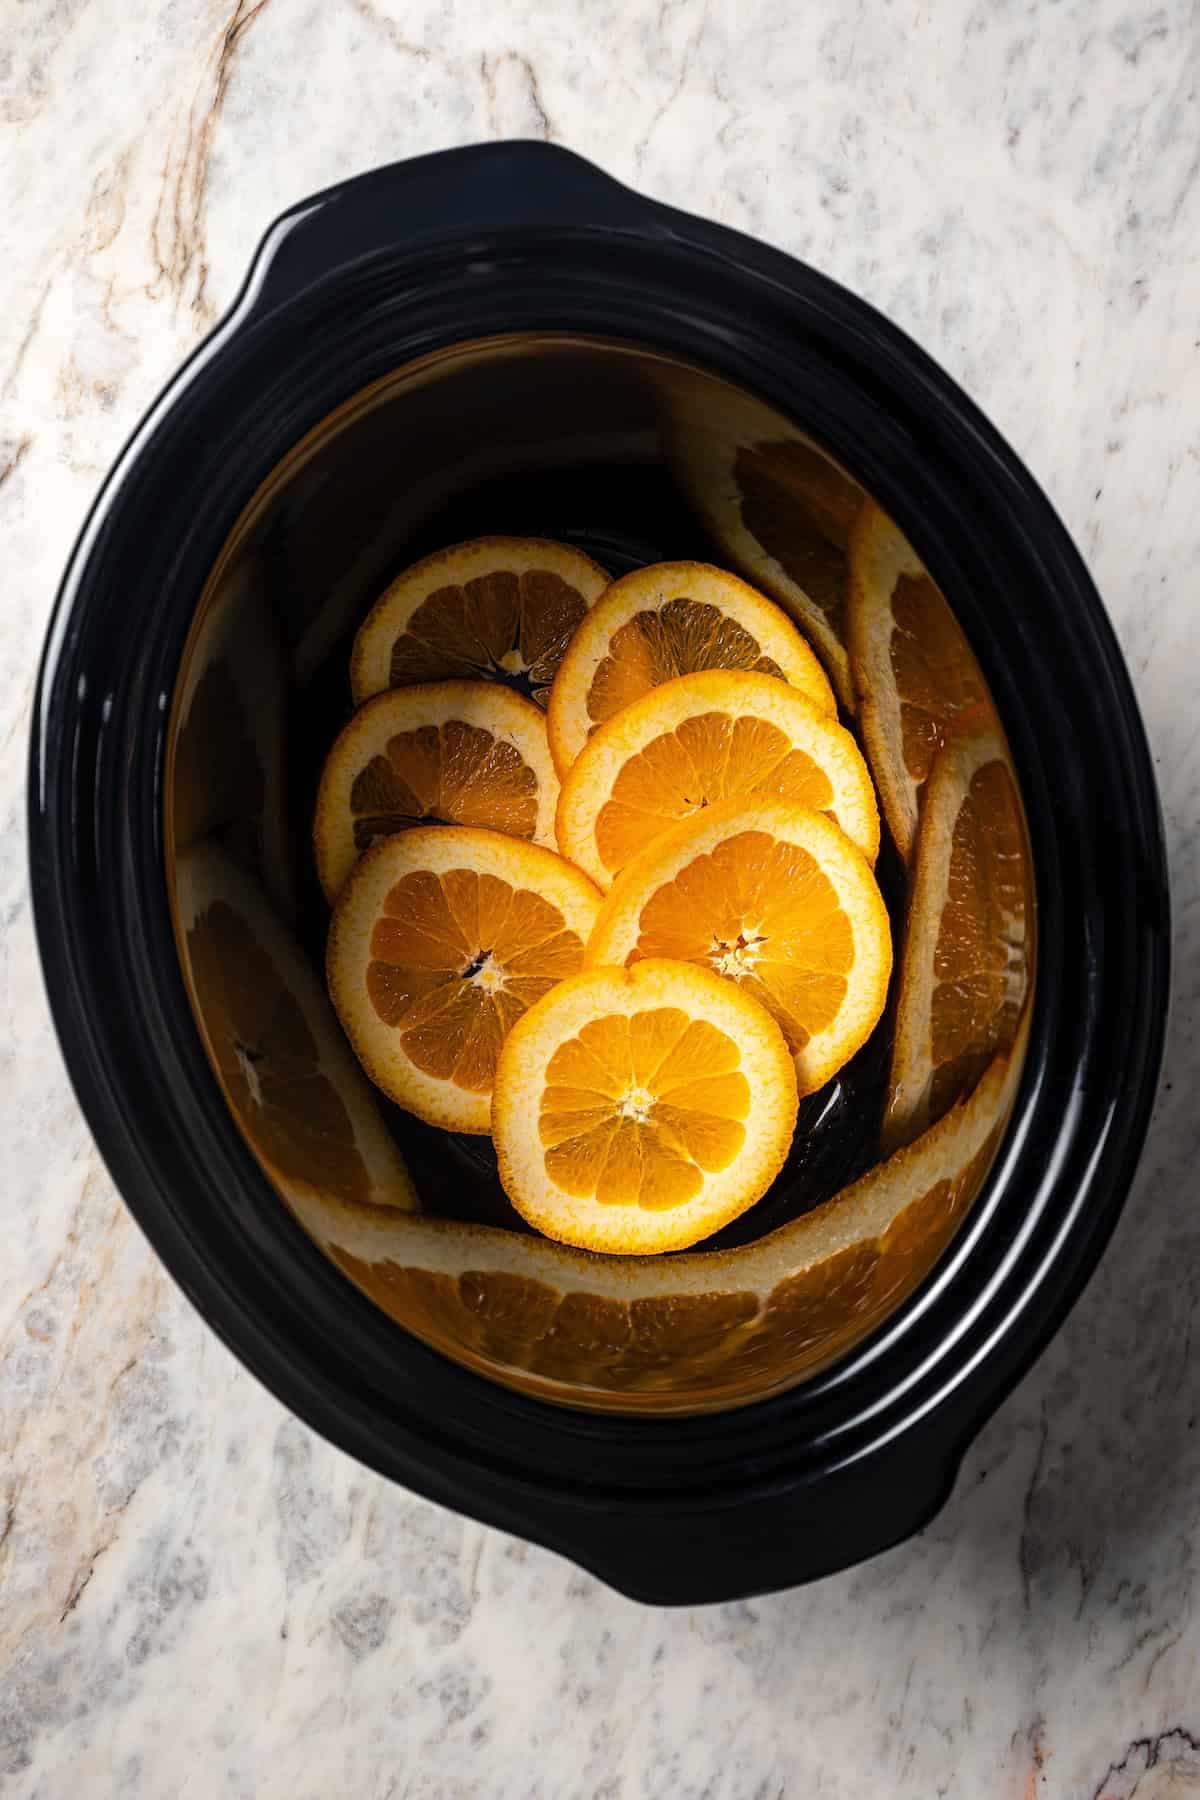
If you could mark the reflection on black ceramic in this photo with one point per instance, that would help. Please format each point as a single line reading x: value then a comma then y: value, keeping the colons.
x: 408, y: 271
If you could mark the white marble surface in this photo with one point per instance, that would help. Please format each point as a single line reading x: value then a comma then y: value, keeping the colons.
x: 199, y: 1598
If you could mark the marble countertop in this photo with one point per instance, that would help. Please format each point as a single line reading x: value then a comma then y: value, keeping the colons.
x: 197, y: 1596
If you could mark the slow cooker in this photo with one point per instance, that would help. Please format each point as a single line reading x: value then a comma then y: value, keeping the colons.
x: 504, y: 339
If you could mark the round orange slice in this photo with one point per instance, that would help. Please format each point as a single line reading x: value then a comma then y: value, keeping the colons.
x: 699, y: 740
x: 775, y: 898
x: 965, y: 970
x: 639, y: 1110
x: 665, y: 620
x: 441, y: 938
x: 303, y: 1105
x: 917, y: 679
x: 500, y: 608
x: 778, y: 506
x: 462, y: 752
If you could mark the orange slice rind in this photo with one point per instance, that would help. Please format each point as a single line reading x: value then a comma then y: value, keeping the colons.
x: 496, y: 608
x: 917, y: 680
x: 663, y: 621
x: 440, y: 940
x: 700, y: 740
x: 779, y: 900
x: 458, y: 752
x: 638, y: 1110
x: 302, y: 1103
x: 965, y: 968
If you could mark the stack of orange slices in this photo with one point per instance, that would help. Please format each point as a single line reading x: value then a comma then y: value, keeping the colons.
x: 621, y: 920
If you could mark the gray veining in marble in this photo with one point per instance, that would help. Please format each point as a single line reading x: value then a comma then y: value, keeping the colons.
x: 198, y: 1598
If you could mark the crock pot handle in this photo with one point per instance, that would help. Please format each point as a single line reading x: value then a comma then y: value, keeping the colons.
x: 407, y: 206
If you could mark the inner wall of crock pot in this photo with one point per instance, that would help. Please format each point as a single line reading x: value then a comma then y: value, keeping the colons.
x: 635, y: 458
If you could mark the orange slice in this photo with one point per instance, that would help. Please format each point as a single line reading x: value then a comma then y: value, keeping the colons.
x: 678, y: 1334
x: 501, y: 608
x: 778, y: 506
x: 638, y: 1110
x: 439, y: 941
x: 463, y: 752
x: 666, y: 620
x: 705, y: 738
x: 965, y: 971
x: 302, y: 1103
x: 777, y: 899
x: 917, y: 679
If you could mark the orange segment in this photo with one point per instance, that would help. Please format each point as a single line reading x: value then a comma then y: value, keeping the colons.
x: 442, y: 937
x: 965, y: 972
x: 303, y: 1106
x: 698, y: 741
x: 498, y: 608
x: 917, y: 680
x: 462, y: 752
x: 641, y: 1109
x: 777, y: 900
x: 778, y: 506
x: 658, y: 623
